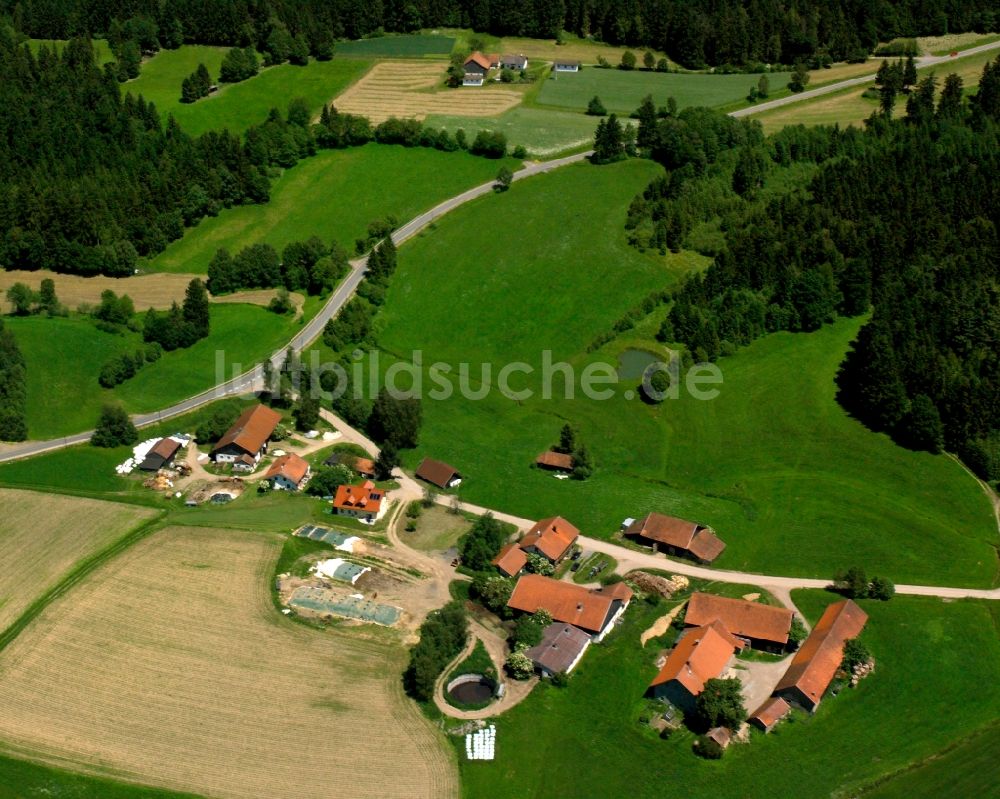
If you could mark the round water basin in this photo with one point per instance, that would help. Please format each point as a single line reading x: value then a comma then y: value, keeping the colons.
x: 471, y: 689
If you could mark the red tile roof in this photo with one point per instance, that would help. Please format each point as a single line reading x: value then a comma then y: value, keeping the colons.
x: 166, y: 448
x: 698, y: 657
x: 770, y: 713
x: 740, y: 617
x: 555, y: 460
x: 290, y: 466
x: 365, y: 497
x: 552, y: 537
x: 484, y: 61
x: 251, y: 431
x: 818, y: 659
x: 588, y: 609
x: 510, y: 560
x: 436, y: 472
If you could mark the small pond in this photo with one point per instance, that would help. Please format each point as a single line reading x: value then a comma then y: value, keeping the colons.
x: 474, y: 689
x: 633, y: 363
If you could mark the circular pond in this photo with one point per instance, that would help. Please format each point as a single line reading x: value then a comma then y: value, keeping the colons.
x: 471, y: 689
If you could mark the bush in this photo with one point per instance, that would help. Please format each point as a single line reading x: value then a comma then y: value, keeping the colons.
x: 442, y: 636
x: 114, y: 428
x: 855, y: 654
x: 478, y: 546
x: 628, y: 60
x: 707, y: 748
x: 489, y: 144
x: 327, y: 479
x: 519, y: 665
x: 881, y: 588
x: 595, y: 107
x: 519, y: 152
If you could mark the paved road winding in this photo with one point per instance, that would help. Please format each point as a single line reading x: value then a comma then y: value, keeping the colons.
x: 922, y: 62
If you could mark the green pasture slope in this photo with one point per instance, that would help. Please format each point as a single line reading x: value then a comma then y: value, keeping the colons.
x: 792, y: 484
x: 585, y: 740
x: 542, y: 132
x: 406, y: 46
x: 333, y: 195
x: 64, y: 358
x: 621, y: 91
x: 237, y: 106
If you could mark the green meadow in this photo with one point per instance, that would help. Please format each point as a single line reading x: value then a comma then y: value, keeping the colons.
x: 20, y: 779
x: 237, y: 106
x: 542, y: 132
x: 621, y: 91
x: 333, y: 195
x: 585, y: 740
x: 64, y: 358
x: 790, y: 482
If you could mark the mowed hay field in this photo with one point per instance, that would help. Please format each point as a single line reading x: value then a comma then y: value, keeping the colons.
x: 171, y: 667
x: 156, y: 290
x: 43, y: 536
x: 403, y: 89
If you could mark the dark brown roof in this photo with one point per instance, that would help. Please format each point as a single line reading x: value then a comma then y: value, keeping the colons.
x: 665, y: 529
x: 166, y: 448
x: 555, y: 460
x: 770, y: 713
x: 588, y: 609
x: 740, y: 617
x: 706, y: 546
x: 560, y: 647
x: 721, y: 735
x: 818, y: 659
x: 510, y: 560
x: 552, y: 537
x: 251, y: 431
x: 436, y: 472
x: 701, y: 655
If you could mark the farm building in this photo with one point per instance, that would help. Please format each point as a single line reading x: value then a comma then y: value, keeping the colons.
x: 479, y: 63
x: 556, y: 461
x: 761, y: 626
x: 721, y: 735
x: 702, y: 654
x: 551, y: 538
x: 438, y: 473
x: 770, y: 713
x: 560, y: 649
x: 288, y: 473
x: 365, y: 467
x: 566, y: 66
x: 161, y: 454
x: 594, y: 610
x: 515, y: 62
x: 246, y: 441
x: 818, y: 659
x: 510, y: 560
x: 363, y: 502
x: 473, y: 79
x: 676, y: 537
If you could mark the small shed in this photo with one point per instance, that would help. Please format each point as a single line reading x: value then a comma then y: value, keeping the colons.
x: 566, y: 66
x: 770, y: 713
x: 438, y: 473
x: 161, y: 454
x: 721, y: 735
x: 556, y: 461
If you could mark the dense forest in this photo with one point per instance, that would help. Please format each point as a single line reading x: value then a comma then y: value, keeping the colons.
x: 693, y: 32
x: 89, y: 180
x: 899, y: 220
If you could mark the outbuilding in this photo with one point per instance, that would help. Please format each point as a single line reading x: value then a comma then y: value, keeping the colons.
x: 438, y: 473
x: 161, y: 454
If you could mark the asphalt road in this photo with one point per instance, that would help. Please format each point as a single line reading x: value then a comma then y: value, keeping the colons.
x: 923, y: 61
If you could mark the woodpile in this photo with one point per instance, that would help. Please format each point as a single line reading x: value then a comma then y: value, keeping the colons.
x: 655, y: 584
x: 861, y: 671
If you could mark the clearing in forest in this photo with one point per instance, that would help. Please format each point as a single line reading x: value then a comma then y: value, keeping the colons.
x: 172, y: 667
x: 404, y: 89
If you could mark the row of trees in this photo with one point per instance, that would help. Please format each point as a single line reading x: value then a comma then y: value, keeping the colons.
x: 692, y: 32
x: 309, y: 266
x: 25, y: 301
x: 125, y: 365
x: 442, y: 636
x: 13, y: 388
x: 181, y: 325
x: 900, y: 218
x: 140, y: 181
